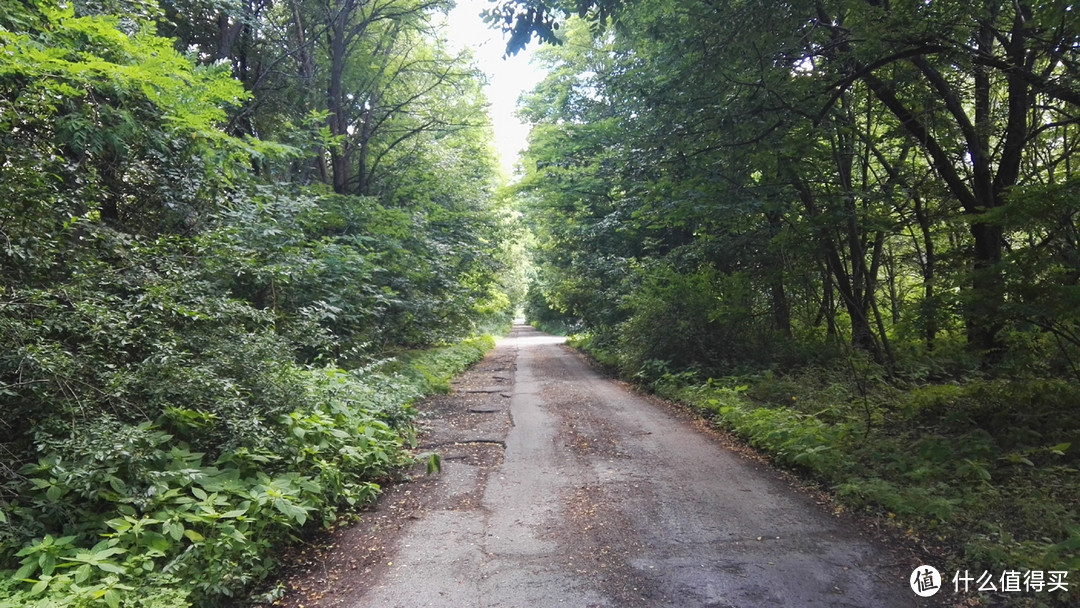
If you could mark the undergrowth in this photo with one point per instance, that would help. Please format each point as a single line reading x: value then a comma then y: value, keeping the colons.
x: 986, y: 468
x: 142, y: 515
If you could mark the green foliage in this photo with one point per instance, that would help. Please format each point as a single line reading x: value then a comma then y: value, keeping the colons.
x: 794, y: 437
x: 597, y: 348
x: 709, y: 320
x: 198, y: 364
x: 662, y: 179
x: 106, y: 124
x: 861, y: 217
x: 432, y: 369
x: 193, y: 442
x: 183, y: 522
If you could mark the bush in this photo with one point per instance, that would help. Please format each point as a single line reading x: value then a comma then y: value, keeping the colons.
x: 180, y: 526
x: 163, y: 439
x: 703, y: 319
x: 173, y: 332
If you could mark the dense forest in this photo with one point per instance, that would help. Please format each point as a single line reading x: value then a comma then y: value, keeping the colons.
x: 847, y: 229
x: 238, y: 239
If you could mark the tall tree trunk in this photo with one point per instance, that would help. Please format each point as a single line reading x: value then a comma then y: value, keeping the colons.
x: 828, y: 305
x: 228, y: 32
x: 335, y: 99
x: 367, y: 128
x: 110, y: 201
x: 987, y: 293
x: 781, y: 308
x: 855, y: 302
x: 306, y: 68
x: 984, y: 190
x: 856, y: 287
x: 929, y: 272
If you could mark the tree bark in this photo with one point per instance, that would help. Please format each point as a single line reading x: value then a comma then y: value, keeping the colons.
x: 306, y: 69
x: 335, y: 98
x: 855, y: 302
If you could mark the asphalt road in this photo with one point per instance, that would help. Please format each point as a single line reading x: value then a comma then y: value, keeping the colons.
x: 600, y: 497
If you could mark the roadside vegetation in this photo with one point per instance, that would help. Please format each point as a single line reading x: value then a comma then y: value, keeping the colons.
x: 954, y: 466
x: 846, y: 231
x: 170, y: 513
x: 234, y: 252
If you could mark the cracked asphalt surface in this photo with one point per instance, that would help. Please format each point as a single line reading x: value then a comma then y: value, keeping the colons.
x: 563, y: 488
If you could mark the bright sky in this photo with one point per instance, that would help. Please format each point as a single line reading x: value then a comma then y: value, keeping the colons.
x: 507, y: 78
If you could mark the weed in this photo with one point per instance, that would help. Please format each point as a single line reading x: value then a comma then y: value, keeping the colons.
x: 115, y: 513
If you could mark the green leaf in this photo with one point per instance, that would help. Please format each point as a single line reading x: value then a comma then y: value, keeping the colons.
x: 434, y: 463
x: 28, y: 568
x: 158, y: 542
x: 119, y: 524
x: 104, y: 546
x: 47, y: 562
x: 173, y: 528
x: 110, y: 567
x: 288, y: 509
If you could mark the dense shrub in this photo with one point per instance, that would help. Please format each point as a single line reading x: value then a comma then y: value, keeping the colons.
x: 113, y: 511
x: 176, y: 334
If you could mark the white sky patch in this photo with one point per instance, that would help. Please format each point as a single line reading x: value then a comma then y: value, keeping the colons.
x: 507, y: 78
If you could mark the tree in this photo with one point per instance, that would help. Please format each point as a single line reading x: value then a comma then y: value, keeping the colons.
x: 990, y: 76
x: 864, y: 122
x: 178, y: 300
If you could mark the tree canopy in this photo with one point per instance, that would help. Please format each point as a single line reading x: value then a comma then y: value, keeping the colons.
x: 916, y: 159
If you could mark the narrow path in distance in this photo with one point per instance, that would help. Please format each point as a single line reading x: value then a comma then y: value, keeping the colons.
x: 563, y: 488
